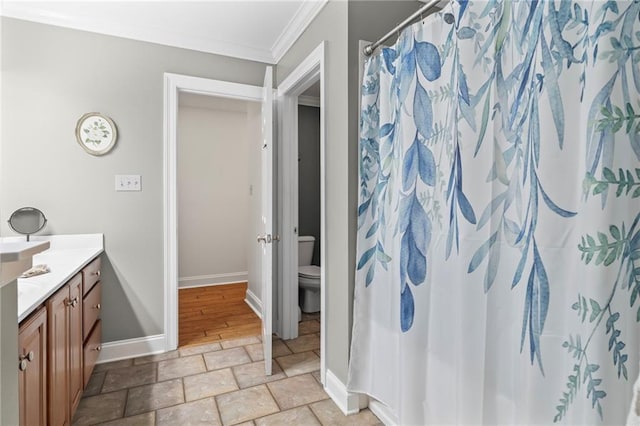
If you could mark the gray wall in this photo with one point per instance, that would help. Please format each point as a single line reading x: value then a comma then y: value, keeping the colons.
x: 309, y: 175
x: 50, y: 77
x: 254, y: 266
x: 331, y: 25
x: 213, y: 195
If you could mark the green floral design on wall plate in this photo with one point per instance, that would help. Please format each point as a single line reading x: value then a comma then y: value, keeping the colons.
x: 96, y: 133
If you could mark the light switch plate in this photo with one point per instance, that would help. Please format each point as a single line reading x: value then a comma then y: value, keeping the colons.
x: 128, y: 183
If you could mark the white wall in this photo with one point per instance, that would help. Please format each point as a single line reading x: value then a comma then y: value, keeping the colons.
x: 213, y: 195
x: 254, y: 134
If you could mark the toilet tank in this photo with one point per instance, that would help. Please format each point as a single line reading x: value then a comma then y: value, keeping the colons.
x: 305, y: 249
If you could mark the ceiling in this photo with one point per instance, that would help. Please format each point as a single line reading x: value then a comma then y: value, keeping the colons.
x: 258, y: 30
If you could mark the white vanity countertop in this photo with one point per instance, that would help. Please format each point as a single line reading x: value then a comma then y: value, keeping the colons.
x: 66, y: 256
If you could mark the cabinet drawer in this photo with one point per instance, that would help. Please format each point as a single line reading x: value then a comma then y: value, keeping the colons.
x: 91, y: 309
x: 91, y: 275
x: 92, y: 348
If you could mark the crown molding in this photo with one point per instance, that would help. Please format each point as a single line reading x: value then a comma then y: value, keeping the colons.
x: 22, y: 10
x: 296, y: 26
x: 294, y: 29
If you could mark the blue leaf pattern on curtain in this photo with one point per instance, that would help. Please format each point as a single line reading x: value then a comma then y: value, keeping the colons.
x: 425, y: 120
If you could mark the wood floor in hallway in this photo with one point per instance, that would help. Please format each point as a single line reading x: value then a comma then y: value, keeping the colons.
x: 213, y: 313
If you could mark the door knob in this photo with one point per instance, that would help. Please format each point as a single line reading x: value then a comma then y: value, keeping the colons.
x: 265, y: 238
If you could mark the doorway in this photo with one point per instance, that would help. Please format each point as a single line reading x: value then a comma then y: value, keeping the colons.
x: 175, y: 85
x: 218, y: 146
x: 310, y: 73
x: 309, y: 237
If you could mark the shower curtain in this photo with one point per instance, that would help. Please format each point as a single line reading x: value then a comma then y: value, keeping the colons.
x: 498, y: 248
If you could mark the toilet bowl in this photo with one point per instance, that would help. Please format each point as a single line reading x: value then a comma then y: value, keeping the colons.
x: 308, y: 276
x: 309, y: 285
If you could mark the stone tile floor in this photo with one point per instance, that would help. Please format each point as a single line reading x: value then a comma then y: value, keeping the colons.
x: 217, y: 384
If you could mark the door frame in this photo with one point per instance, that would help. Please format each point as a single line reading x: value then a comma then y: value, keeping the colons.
x: 310, y: 70
x: 173, y: 85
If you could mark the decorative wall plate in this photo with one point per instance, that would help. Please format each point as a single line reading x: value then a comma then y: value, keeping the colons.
x: 96, y: 133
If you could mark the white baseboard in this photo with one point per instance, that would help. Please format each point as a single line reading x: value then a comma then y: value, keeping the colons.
x: 382, y: 412
x: 131, y: 348
x: 348, y: 402
x: 215, y: 279
x: 254, y: 303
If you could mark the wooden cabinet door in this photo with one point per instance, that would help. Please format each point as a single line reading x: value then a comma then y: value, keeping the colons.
x: 58, y: 317
x: 75, y: 343
x: 32, y: 341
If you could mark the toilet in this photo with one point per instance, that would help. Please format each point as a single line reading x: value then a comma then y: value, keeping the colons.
x: 308, y: 276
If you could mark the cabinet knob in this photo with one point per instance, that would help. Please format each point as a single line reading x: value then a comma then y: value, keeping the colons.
x: 27, y: 357
x: 73, y: 302
x: 98, y: 348
x: 22, y: 365
x: 98, y: 272
x: 97, y: 306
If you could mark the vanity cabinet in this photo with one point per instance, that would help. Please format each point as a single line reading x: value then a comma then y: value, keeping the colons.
x: 32, y: 369
x: 59, y: 347
x: 64, y: 311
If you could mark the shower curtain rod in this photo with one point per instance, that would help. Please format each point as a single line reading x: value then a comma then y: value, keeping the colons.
x: 368, y: 50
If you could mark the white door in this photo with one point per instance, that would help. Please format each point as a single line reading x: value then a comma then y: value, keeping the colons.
x: 266, y: 239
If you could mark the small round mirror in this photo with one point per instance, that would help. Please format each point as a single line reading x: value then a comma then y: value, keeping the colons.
x: 27, y: 221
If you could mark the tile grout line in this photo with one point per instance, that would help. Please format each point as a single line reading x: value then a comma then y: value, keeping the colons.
x: 126, y: 401
x: 184, y: 390
x: 313, y: 413
x: 280, y: 365
x: 235, y: 378
x: 156, y: 410
x: 273, y: 396
x: 101, y: 384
